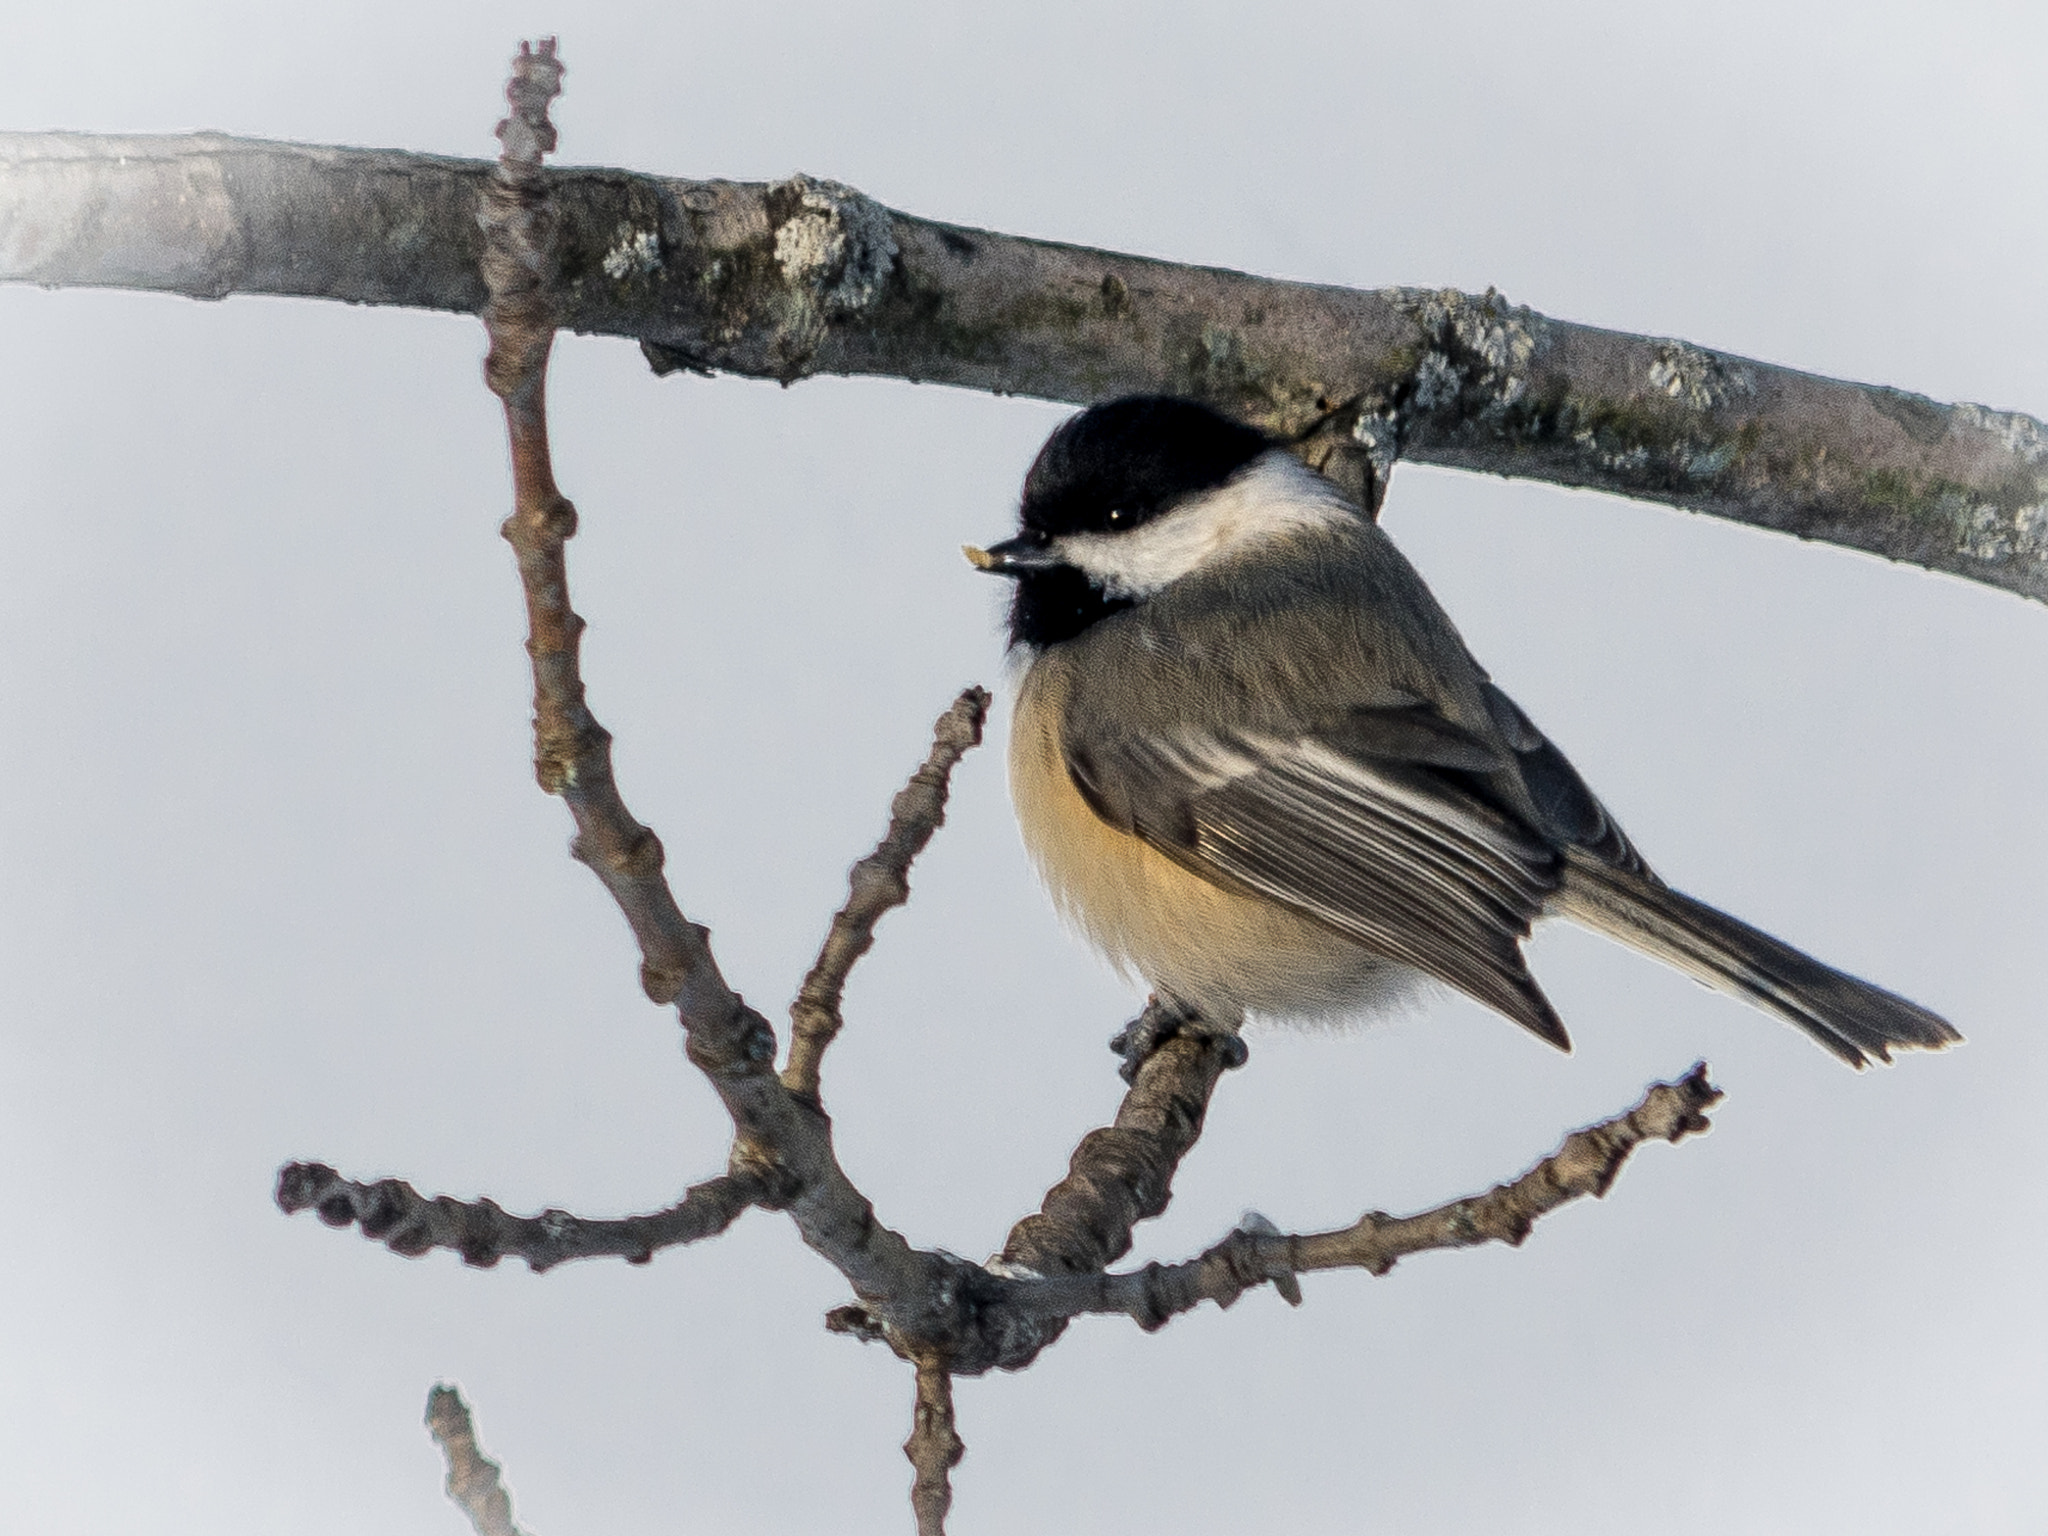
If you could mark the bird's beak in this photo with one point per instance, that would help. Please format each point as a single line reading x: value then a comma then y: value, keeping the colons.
x: 1013, y: 557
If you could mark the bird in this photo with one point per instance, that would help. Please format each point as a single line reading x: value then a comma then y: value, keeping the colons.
x: 1254, y: 761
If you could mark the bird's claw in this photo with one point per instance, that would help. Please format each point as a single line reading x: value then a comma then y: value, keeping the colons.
x: 1163, y: 1021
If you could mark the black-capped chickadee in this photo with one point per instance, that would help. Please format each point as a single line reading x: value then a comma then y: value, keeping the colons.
x: 1255, y: 762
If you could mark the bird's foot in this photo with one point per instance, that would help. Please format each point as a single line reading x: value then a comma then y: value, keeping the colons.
x: 1164, y: 1020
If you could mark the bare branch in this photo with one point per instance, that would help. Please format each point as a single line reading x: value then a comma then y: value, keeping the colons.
x: 1118, y: 1176
x: 934, y: 1448
x: 879, y: 882
x: 1003, y: 1314
x: 572, y: 751
x: 392, y: 1212
x: 782, y: 1153
x: 1123, y: 1174
x: 1587, y: 1164
x: 806, y: 276
x: 473, y: 1478
x: 780, y: 1140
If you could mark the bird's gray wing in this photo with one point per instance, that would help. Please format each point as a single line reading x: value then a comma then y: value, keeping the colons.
x: 1375, y: 825
x: 1542, y: 786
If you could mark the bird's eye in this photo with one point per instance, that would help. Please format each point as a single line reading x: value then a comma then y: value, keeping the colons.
x: 1118, y: 517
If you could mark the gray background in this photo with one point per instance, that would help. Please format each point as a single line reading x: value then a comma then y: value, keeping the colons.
x: 276, y: 882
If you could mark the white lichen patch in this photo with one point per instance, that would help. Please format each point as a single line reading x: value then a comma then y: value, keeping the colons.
x: 1380, y: 436
x: 1499, y: 339
x: 635, y: 253
x: 2022, y: 436
x: 1695, y: 377
x: 1622, y: 462
x: 1437, y: 382
x: 839, y: 246
x: 1988, y: 532
x: 1985, y: 532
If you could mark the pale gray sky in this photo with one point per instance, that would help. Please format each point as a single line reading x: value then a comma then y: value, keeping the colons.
x: 275, y: 881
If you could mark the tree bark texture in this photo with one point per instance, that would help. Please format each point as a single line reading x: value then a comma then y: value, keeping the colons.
x: 805, y: 276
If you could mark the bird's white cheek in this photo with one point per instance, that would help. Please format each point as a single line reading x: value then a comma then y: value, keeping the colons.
x: 1142, y: 562
x: 1276, y: 498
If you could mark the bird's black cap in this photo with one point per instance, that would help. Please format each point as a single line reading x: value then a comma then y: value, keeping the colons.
x: 1118, y: 464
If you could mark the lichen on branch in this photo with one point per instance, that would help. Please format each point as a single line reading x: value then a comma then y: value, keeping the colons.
x: 806, y: 276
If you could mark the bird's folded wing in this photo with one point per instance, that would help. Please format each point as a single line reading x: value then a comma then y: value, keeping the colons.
x: 1367, y: 826
x: 1565, y: 809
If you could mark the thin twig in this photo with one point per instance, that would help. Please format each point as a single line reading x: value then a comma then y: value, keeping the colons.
x: 473, y: 1478
x: 1586, y: 1164
x: 934, y: 1448
x: 572, y: 751
x: 878, y: 883
x: 392, y: 1212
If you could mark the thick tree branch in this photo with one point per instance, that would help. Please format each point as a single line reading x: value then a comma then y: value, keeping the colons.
x: 473, y: 1478
x: 807, y: 276
x: 392, y: 1212
x: 877, y: 884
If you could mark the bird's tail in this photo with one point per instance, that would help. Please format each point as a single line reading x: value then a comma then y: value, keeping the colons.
x: 1855, y: 1020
